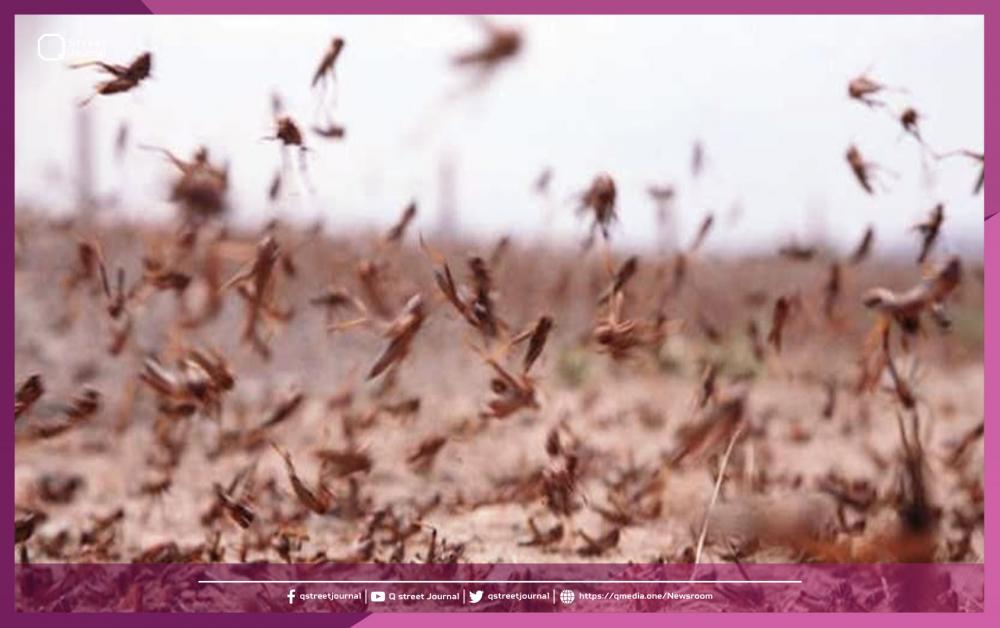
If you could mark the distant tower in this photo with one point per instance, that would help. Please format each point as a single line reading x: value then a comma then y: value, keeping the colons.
x: 447, y: 212
x: 667, y: 219
x: 84, y: 160
x: 664, y: 197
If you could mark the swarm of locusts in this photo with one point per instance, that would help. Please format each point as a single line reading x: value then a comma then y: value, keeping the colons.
x: 875, y: 95
x: 193, y: 392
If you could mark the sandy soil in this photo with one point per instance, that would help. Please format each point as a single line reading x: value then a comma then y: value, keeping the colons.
x: 478, y: 490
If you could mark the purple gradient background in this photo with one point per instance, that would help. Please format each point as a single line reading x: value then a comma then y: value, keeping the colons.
x: 992, y: 299
x: 178, y: 588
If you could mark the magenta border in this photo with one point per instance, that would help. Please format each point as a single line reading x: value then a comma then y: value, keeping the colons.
x: 992, y: 298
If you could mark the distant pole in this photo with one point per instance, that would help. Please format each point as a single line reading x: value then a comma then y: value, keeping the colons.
x: 664, y: 197
x: 447, y: 212
x: 84, y: 161
x: 667, y: 221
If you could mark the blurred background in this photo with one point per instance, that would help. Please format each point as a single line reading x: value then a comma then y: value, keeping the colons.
x: 766, y: 96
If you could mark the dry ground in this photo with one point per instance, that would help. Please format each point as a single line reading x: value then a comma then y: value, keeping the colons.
x: 622, y: 415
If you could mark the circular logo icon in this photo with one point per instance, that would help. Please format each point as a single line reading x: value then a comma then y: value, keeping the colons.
x: 567, y: 596
x: 51, y: 47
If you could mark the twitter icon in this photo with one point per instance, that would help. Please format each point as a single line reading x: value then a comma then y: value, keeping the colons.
x: 475, y: 596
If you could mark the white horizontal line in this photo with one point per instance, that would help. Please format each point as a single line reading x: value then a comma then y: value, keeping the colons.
x: 499, y: 582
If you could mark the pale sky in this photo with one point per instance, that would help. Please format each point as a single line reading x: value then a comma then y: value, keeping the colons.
x: 622, y: 94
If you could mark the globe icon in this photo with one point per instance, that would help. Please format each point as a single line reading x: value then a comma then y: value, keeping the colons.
x: 567, y: 596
